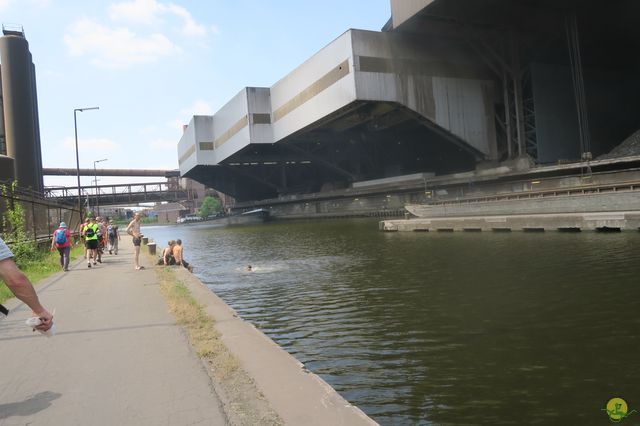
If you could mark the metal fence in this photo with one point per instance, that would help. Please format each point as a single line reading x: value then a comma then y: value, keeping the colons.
x: 42, y: 216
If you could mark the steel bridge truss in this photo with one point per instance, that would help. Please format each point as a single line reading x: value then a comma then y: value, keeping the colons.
x: 104, y: 195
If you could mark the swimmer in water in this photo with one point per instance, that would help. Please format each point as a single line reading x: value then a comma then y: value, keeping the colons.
x: 249, y: 268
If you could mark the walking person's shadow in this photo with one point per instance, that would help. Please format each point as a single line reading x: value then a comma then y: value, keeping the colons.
x: 38, y: 402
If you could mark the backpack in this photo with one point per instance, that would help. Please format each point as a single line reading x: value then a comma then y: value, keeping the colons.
x: 89, y: 232
x: 111, y: 232
x: 61, y: 237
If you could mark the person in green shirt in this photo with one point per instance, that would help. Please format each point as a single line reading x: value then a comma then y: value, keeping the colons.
x: 90, y: 232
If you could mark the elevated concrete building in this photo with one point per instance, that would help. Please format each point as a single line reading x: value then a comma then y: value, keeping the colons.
x: 20, y: 154
x: 445, y: 86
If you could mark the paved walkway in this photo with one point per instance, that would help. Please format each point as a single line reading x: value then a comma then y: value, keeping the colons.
x: 118, y: 357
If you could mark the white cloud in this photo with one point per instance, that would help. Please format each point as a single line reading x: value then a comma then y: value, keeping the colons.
x: 115, y: 47
x: 53, y: 73
x: 100, y: 145
x: 39, y: 4
x: 151, y: 12
x: 136, y: 12
x: 177, y: 124
x: 199, y: 107
x: 189, y: 26
x: 149, y: 130
x: 163, y: 164
x: 163, y: 144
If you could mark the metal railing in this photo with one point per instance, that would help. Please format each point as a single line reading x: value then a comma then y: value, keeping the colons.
x: 42, y: 215
x: 121, y: 193
x: 543, y: 193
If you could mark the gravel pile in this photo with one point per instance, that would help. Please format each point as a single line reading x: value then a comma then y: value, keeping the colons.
x: 631, y: 146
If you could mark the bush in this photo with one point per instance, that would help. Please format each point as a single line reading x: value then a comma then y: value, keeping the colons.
x: 24, y: 249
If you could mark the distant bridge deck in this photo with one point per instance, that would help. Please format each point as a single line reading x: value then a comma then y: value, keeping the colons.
x: 110, y: 172
x: 121, y: 194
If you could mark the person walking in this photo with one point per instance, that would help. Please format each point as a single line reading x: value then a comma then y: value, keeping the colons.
x: 101, y: 233
x: 81, y: 232
x: 90, y: 232
x: 114, y: 237
x: 134, y: 230
x: 21, y: 287
x: 62, y: 241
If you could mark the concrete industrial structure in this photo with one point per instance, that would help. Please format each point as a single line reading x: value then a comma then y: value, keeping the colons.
x: 20, y: 154
x: 447, y: 86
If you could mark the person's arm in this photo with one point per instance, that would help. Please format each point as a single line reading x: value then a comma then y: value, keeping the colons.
x: 22, y: 288
x: 129, y: 231
x: 53, y: 242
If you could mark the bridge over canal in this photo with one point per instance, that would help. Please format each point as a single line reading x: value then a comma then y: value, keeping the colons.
x: 130, y: 193
x: 118, y: 194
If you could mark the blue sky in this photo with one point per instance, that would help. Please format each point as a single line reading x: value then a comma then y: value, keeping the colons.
x: 152, y: 64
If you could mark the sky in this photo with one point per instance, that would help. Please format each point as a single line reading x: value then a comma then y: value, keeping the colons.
x: 150, y: 65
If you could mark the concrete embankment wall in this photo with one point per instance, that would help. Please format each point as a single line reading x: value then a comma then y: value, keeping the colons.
x: 600, y: 202
x: 602, y: 221
x: 454, y: 195
x: 297, y: 395
x: 386, y: 205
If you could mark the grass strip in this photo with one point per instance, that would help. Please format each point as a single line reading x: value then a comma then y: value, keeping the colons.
x: 200, y: 326
x: 243, y: 403
x: 36, y: 271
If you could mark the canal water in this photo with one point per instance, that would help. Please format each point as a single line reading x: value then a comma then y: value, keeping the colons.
x: 439, y: 328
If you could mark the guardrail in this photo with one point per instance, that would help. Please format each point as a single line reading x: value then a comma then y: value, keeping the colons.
x: 525, y: 195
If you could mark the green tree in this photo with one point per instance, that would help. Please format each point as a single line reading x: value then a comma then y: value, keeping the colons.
x: 210, y: 205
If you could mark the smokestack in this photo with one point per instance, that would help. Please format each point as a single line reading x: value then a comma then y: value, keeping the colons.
x: 20, y: 107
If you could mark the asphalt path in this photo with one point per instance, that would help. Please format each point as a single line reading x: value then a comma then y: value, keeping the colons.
x: 117, y: 358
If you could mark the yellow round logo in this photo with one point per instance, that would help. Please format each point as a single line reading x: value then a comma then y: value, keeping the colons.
x: 617, y: 409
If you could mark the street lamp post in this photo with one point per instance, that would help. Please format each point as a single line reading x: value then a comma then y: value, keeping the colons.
x: 95, y: 177
x: 75, y: 126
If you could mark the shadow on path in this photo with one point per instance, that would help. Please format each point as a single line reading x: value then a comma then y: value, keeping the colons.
x: 38, y: 402
x: 94, y: 330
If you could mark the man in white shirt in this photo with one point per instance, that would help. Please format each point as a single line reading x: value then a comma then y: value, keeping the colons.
x: 22, y: 288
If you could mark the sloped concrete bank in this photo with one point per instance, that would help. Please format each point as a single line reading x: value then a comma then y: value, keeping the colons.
x: 600, y: 221
x: 297, y: 395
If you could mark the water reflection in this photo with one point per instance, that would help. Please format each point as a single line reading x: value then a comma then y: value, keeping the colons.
x: 462, y: 328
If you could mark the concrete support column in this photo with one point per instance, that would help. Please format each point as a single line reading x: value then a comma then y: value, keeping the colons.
x: 516, y: 72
